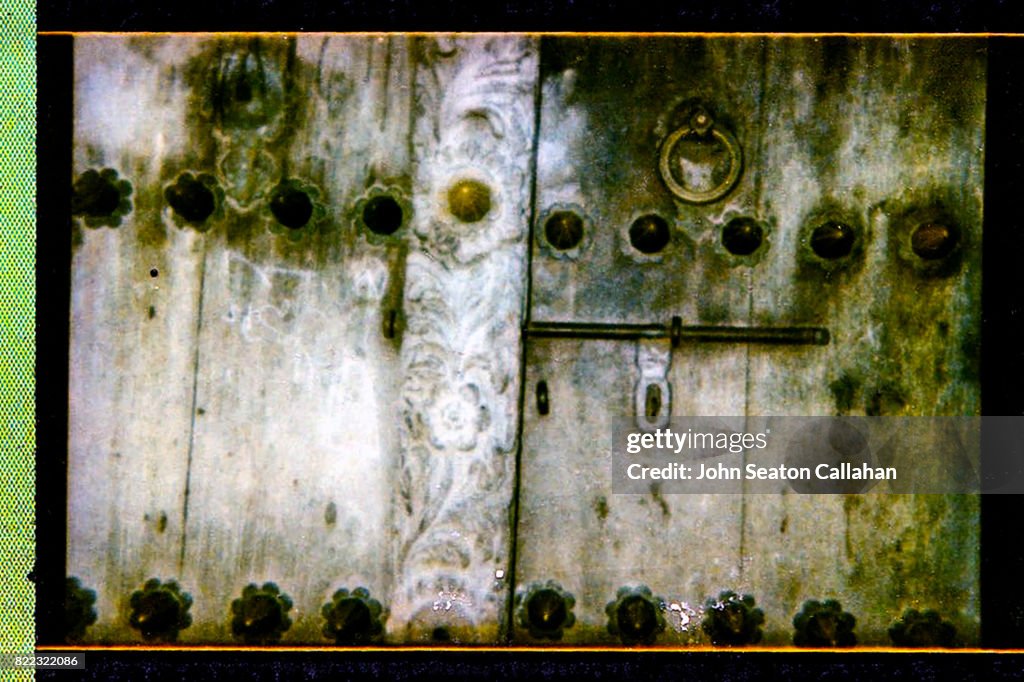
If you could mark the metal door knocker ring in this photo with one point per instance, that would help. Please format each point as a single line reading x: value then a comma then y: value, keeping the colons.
x: 701, y: 125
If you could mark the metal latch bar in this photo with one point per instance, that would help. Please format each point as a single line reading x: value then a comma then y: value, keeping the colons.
x: 678, y: 333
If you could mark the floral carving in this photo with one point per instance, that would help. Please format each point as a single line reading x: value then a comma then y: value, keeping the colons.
x: 463, y: 294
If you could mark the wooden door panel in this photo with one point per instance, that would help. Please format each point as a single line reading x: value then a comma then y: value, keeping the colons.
x: 869, y: 133
x: 134, y: 310
x: 291, y: 472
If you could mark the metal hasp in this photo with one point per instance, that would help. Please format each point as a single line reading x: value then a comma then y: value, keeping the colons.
x: 678, y: 333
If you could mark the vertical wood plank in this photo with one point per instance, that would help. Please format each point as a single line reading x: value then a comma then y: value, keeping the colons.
x: 883, y: 134
x: 574, y: 530
x: 598, y: 155
x: 296, y: 400
x: 134, y: 305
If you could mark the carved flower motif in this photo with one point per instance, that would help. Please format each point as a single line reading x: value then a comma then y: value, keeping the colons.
x: 456, y: 417
x: 79, y: 611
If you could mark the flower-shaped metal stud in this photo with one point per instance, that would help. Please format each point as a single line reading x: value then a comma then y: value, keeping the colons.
x: 545, y: 609
x: 160, y: 610
x: 295, y: 209
x: 922, y: 629
x: 382, y: 213
x: 353, y: 617
x: 100, y: 198
x: 79, y: 611
x: 824, y: 624
x: 194, y: 200
x: 260, y: 616
x: 635, y: 616
x: 732, y: 620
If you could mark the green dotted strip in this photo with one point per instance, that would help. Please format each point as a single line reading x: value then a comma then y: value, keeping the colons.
x: 17, y: 327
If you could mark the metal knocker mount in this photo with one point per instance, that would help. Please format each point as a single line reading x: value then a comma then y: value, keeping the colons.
x: 700, y: 126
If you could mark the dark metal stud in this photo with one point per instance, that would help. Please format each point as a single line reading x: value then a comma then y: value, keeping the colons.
x: 353, y: 617
x: 635, y: 616
x: 833, y: 240
x: 933, y: 240
x: 79, y: 611
x: 192, y: 198
x: 469, y: 200
x: 824, y: 624
x: 291, y: 206
x: 922, y: 629
x: 545, y: 609
x: 260, y: 615
x: 742, y: 236
x: 100, y: 198
x: 732, y: 620
x: 382, y: 214
x: 564, y: 230
x: 160, y: 610
x: 543, y: 407
x: 649, y: 234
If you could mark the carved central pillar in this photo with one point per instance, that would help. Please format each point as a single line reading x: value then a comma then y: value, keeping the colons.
x: 461, y: 350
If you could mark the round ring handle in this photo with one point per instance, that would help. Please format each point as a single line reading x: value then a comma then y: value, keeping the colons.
x: 700, y: 124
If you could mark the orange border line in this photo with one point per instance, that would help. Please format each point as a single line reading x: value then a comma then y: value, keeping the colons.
x: 605, y: 34
x: 515, y: 649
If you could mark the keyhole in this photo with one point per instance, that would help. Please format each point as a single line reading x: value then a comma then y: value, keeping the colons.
x: 653, y: 401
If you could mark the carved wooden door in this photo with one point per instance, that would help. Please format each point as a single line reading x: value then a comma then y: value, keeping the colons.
x: 351, y: 316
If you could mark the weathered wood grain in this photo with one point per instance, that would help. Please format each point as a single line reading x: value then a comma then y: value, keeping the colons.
x: 606, y: 106
x: 240, y: 415
x: 133, y: 332
x: 575, y: 530
x: 292, y: 459
x: 869, y: 131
